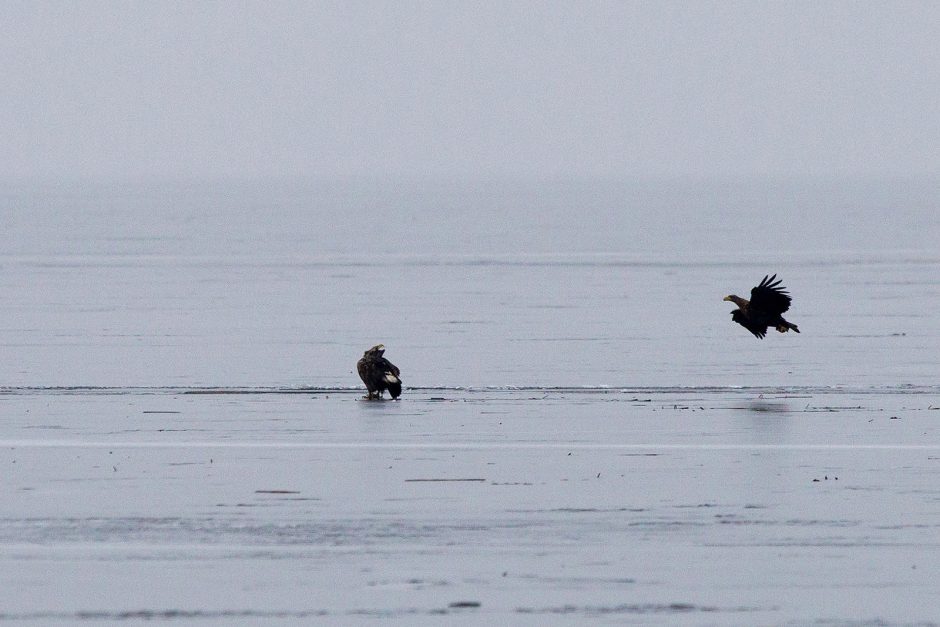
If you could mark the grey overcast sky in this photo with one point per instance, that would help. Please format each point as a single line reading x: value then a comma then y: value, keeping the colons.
x: 469, y: 89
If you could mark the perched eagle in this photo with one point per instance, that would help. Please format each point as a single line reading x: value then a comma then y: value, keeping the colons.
x: 768, y: 301
x: 378, y: 373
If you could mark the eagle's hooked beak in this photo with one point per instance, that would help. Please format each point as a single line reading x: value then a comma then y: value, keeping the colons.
x: 727, y: 298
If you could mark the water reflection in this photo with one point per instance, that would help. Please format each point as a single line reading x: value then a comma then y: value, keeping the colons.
x: 773, y: 407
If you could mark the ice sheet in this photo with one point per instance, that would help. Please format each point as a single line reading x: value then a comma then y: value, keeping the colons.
x: 584, y: 434
x: 676, y: 506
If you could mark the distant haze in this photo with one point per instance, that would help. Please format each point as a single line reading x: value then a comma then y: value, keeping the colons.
x: 108, y: 90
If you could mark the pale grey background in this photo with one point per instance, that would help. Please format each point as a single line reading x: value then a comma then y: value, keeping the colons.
x: 469, y: 89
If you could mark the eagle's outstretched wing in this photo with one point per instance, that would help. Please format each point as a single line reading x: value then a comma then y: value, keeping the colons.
x: 770, y: 297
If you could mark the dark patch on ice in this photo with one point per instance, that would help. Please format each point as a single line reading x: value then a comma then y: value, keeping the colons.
x: 222, y: 531
x: 277, y: 491
x: 765, y: 406
x: 634, y: 608
x: 463, y: 604
x: 414, y: 583
x: 567, y: 581
x: 796, y: 522
x: 593, y: 510
x: 189, y: 615
x: 731, y: 519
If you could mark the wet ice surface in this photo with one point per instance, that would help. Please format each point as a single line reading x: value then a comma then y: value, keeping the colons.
x: 712, y: 505
x: 586, y: 435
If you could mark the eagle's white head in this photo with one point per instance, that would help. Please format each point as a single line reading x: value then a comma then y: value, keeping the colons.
x: 375, y: 351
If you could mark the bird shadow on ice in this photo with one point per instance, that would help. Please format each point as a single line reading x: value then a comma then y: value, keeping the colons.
x: 766, y: 417
x: 760, y: 405
x: 769, y: 407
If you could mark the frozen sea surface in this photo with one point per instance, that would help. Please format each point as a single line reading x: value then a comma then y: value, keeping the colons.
x: 584, y: 435
x: 697, y: 505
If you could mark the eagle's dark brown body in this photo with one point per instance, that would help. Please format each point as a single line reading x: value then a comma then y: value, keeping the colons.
x: 768, y: 302
x: 378, y: 373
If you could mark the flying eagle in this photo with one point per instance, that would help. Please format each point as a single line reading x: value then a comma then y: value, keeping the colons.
x: 378, y: 373
x: 768, y: 301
